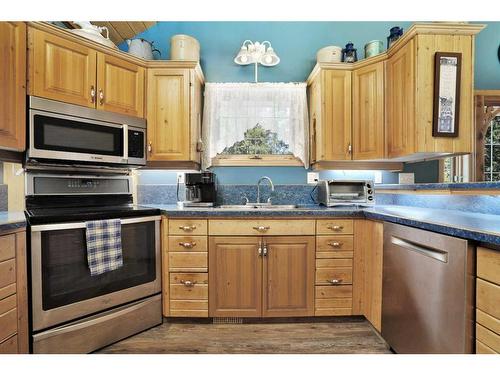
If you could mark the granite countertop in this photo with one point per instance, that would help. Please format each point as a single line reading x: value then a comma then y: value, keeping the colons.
x: 473, y: 226
x: 440, y: 186
x: 10, y: 220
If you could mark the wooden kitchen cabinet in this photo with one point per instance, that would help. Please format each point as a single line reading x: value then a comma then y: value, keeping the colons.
x: 400, y: 94
x: 13, y: 293
x: 174, y: 114
x: 64, y: 69
x: 13, y: 86
x: 288, y: 284
x: 368, y: 127
x: 60, y: 69
x: 235, y: 275
x: 120, y: 86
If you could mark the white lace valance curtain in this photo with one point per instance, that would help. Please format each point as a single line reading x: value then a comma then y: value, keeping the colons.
x: 230, y: 109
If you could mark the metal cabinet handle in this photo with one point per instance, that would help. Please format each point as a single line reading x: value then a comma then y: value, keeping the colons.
x: 92, y: 94
x: 335, y: 244
x: 188, y: 245
x: 260, y: 247
x: 188, y: 283
x: 262, y: 228
x: 150, y: 147
x: 188, y: 228
x: 334, y: 281
x: 349, y: 148
x: 265, y: 249
x: 335, y: 227
x: 101, y: 96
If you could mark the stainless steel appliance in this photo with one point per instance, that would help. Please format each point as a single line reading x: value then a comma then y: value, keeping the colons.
x: 341, y: 192
x: 72, y: 311
x: 71, y: 134
x: 200, y: 189
x: 427, y: 291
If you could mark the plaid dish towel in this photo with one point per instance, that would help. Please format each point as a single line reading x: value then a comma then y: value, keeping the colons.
x: 104, y: 245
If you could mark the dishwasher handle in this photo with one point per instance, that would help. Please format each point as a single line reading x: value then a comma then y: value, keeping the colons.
x: 439, y: 255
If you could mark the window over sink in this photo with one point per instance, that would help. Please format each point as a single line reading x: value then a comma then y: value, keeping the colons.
x: 255, y: 124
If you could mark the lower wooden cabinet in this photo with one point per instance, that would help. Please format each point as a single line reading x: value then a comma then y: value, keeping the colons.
x: 261, y: 276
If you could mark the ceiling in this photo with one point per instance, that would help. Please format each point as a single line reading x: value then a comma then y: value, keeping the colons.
x: 120, y: 30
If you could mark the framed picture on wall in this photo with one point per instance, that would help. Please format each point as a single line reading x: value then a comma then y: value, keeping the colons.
x: 447, y: 67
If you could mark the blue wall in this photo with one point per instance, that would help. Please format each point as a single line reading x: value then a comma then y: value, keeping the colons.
x: 296, y: 43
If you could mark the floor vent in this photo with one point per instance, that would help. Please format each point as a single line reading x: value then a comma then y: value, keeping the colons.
x: 227, y: 321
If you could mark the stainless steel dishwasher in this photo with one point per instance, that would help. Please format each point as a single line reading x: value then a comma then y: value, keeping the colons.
x: 427, y: 291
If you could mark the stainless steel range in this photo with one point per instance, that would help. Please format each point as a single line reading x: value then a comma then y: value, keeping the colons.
x: 72, y: 311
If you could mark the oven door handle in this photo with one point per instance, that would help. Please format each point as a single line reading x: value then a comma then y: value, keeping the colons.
x: 81, y: 224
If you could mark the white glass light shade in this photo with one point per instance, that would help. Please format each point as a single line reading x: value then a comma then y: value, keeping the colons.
x: 243, y: 57
x: 270, y: 58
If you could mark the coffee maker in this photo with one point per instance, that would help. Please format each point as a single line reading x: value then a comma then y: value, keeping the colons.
x: 200, y: 189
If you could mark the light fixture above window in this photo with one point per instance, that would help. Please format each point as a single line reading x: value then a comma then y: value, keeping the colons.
x: 256, y: 53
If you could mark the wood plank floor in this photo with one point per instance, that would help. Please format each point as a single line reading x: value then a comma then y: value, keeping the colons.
x: 337, y: 336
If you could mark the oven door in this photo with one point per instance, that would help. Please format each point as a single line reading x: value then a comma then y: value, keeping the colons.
x: 62, y: 288
x: 69, y: 138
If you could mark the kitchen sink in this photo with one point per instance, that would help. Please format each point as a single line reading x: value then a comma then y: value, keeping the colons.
x: 256, y: 206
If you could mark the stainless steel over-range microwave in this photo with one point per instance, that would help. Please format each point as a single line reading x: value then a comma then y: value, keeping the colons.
x: 66, y: 133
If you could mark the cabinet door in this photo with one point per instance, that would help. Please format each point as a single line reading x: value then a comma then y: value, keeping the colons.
x: 235, y: 277
x: 288, y: 287
x: 368, y: 112
x: 333, y: 139
x: 314, y: 118
x: 62, y: 70
x: 400, y: 96
x: 168, y: 108
x: 120, y: 86
x: 13, y: 86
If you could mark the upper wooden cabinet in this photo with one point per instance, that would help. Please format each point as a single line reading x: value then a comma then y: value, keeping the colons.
x: 69, y: 71
x: 13, y: 86
x: 368, y: 128
x: 120, y: 86
x: 381, y: 108
x: 174, y: 114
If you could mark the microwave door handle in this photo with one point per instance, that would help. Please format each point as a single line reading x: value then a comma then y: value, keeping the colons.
x: 125, y: 141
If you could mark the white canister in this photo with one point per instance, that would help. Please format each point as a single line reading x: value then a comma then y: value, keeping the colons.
x: 330, y: 54
x: 184, y: 47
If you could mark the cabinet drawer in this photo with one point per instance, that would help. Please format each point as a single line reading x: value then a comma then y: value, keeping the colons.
x: 9, y: 346
x: 483, y: 349
x: 488, y: 321
x: 334, y: 254
x: 334, y: 243
x: 7, y: 247
x: 8, y: 303
x: 334, y: 226
x: 487, y: 337
x: 7, y: 272
x: 341, y: 311
x: 488, y: 265
x: 338, y: 291
x: 8, y: 324
x: 332, y: 263
x: 7, y: 291
x: 187, y: 227
x: 261, y: 227
x: 324, y: 276
x: 189, y: 308
x: 194, y: 277
x: 488, y: 298
x: 187, y: 243
x: 187, y: 261
x: 333, y: 303
x: 183, y: 292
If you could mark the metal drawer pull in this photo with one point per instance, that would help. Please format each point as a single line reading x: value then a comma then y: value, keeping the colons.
x: 440, y: 255
x: 92, y: 94
x: 335, y: 227
x: 101, y: 96
x: 188, y: 245
x: 335, y: 244
x: 262, y: 228
x: 188, y: 228
x: 335, y: 281
x: 188, y: 283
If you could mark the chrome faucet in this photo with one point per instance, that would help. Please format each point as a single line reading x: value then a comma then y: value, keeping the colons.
x: 258, y: 188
